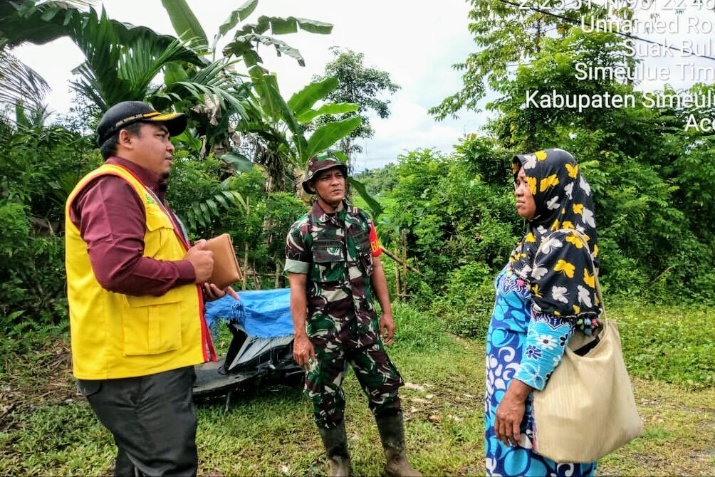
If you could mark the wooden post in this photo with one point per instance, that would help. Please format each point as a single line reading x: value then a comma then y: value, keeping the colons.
x: 245, y: 249
x: 245, y: 266
x: 404, y: 263
x: 397, y: 274
x: 277, y: 275
x: 256, y: 278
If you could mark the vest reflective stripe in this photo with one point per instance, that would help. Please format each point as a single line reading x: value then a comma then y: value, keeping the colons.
x: 115, y: 335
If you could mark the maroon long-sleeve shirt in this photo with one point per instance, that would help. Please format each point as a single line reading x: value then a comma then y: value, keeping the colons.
x: 111, y: 218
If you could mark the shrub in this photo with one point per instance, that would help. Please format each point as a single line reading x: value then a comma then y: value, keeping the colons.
x: 467, y: 303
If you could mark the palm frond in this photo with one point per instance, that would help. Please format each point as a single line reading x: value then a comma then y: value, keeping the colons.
x: 19, y: 82
x: 203, y: 212
x: 122, y: 60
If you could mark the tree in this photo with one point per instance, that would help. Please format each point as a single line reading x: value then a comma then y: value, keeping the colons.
x: 220, y: 122
x: 646, y: 172
x: 38, y: 167
x: 359, y: 85
x: 522, y: 126
x: 124, y: 61
x: 378, y: 181
x: 508, y: 34
x: 281, y: 127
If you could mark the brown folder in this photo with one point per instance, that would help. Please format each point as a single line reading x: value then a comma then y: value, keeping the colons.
x: 226, y: 270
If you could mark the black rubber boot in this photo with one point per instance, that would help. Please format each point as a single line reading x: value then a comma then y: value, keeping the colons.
x: 336, y: 447
x: 392, y: 434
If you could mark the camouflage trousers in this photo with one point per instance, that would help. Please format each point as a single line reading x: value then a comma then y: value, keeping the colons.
x: 378, y: 378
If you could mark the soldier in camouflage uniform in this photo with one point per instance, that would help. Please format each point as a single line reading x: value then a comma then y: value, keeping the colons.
x: 332, y: 259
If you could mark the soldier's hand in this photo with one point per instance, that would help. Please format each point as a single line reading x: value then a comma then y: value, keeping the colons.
x: 387, y: 328
x: 303, y: 352
x: 202, y: 261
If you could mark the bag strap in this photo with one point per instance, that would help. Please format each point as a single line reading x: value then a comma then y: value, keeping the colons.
x: 599, y: 294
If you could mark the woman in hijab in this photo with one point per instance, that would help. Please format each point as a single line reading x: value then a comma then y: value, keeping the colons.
x: 544, y: 295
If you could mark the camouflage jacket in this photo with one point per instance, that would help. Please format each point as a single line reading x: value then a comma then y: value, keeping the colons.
x: 334, y: 251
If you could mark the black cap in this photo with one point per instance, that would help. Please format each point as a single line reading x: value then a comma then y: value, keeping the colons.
x: 125, y: 113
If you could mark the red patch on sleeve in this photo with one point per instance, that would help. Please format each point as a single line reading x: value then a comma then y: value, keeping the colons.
x: 374, y: 242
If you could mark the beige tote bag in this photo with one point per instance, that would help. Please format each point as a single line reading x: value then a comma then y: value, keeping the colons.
x: 587, y: 408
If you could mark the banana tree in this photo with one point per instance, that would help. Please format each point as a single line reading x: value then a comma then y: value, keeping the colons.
x: 243, y: 47
x: 247, y: 39
x: 285, y: 135
x: 125, y: 62
x: 122, y: 60
x: 280, y: 133
x: 33, y: 20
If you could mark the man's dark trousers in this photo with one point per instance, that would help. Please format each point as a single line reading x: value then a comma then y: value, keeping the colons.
x: 152, y: 419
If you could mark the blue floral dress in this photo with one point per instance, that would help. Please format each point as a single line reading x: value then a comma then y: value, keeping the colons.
x: 528, y: 349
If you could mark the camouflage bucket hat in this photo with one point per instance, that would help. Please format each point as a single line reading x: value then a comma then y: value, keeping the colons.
x: 321, y: 162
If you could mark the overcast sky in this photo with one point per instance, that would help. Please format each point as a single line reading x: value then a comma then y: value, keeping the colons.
x: 415, y: 42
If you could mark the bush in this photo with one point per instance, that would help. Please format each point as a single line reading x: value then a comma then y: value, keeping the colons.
x: 467, y: 304
x: 32, y: 275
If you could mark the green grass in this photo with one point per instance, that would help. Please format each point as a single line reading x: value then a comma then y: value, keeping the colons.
x: 46, y: 428
x: 671, y: 344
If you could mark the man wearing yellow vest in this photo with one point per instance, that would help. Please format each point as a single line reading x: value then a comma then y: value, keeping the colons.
x: 136, y: 290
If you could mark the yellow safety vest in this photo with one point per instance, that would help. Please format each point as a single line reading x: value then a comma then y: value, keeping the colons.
x: 119, y: 336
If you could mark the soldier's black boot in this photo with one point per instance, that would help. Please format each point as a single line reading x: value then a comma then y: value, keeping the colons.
x: 392, y: 434
x: 336, y: 447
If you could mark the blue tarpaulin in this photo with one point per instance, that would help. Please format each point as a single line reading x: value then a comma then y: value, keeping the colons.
x: 261, y: 313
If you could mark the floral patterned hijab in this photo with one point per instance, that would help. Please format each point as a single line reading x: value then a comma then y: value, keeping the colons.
x: 558, y: 255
